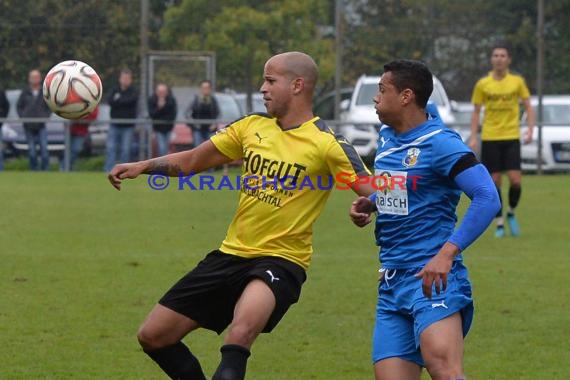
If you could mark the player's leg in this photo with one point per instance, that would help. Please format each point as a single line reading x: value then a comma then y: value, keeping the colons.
x: 32, y: 153
x: 442, y: 322
x: 442, y: 348
x: 270, y: 286
x: 160, y: 337
x: 513, y: 166
x: 111, y: 147
x: 126, y: 143
x: 252, y: 312
x: 397, y: 369
x: 201, y: 298
x: 395, y: 352
x: 44, y: 153
x: 492, y: 159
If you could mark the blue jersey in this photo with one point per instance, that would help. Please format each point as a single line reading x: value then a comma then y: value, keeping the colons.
x: 416, y: 198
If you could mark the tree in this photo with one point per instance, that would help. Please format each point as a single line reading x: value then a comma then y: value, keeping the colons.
x: 245, y: 33
x: 455, y: 37
x: 41, y: 33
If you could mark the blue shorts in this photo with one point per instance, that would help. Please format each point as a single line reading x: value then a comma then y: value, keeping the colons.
x: 404, y: 312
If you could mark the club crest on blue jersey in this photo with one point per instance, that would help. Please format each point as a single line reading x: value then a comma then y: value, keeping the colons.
x: 411, y: 157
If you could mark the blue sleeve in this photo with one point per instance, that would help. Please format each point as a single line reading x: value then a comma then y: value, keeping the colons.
x: 447, y: 150
x: 477, y: 184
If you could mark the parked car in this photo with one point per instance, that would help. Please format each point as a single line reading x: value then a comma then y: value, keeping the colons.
x: 361, y: 118
x: 14, y: 135
x: 257, y: 102
x: 462, y: 112
x: 324, y: 105
x: 555, y: 135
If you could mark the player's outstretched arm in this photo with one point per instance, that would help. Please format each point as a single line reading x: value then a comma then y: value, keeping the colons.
x: 203, y: 157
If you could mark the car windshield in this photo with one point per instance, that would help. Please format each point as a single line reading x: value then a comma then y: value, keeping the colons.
x: 258, y: 104
x: 555, y: 113
x: 369, y: 90
x: 229, y: 109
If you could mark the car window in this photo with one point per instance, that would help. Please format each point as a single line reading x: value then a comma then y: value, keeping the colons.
x: 12, y: 96
x: 257, y: 103
x: 463, y: 117
x: 555, y: 114
x: 437, y: 95
x: 229, y: 109
x: 367, y: 92
x: 325, y: 108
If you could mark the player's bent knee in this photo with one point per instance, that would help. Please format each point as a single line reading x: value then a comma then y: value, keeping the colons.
x: 150, y: 339
x: 242, y: 334
x: 440, y: 368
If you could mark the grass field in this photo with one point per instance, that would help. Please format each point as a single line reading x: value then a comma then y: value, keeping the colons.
x: 81, y: 265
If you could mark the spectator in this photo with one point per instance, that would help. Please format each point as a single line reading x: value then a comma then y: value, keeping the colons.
x: 162, y: 108
x: 123, y: 102
x: 31, y: 104
x: 4, y: 108
x: 204, y: 106
x: 79, y: 131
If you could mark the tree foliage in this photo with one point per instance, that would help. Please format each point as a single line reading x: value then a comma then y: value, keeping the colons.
x: 455, y: 38
x: 245, y: 33
x: 452, y: 36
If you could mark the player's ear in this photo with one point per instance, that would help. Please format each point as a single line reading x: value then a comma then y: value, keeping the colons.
x: 298, y: 85
x: 406, y: 96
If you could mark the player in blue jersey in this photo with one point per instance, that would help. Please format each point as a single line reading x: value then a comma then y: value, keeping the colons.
x: 424, y: 307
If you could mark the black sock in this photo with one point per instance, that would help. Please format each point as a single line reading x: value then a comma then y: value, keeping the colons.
x: 177, y: 362
x: 514, y: 196
x: 234, y: 361
x: 500, y: 212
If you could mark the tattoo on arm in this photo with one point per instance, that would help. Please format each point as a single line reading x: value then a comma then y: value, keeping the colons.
x: 162, y: 165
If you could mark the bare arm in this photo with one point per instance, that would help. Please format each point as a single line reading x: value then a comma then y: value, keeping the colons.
x: 530, y: 120
x: 203, y: 157
x: 475, y: 121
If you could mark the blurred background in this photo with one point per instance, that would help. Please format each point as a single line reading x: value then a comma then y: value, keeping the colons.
x: 180, y: 42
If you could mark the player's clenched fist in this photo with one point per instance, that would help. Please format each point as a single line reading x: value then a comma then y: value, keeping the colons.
x: 360, y: 211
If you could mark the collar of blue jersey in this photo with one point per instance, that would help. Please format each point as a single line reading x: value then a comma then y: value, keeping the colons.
x: 431, y: 124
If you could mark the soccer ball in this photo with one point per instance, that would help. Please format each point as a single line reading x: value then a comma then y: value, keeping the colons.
x: 72, y: 89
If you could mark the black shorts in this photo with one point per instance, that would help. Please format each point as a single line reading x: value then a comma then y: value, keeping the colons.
x: 208, y: 294
x: 501, y: 155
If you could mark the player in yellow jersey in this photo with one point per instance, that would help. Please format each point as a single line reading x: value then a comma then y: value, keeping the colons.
x: 257, y: 273
x: 500, y: 93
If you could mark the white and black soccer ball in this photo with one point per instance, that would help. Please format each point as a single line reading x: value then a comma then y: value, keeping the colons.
x: 72, y: 89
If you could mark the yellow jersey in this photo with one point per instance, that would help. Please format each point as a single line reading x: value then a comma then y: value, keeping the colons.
x: 500, y: 98
x: 287, y: 178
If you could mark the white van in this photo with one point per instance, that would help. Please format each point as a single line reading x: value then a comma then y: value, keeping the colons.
x: 361, y: 127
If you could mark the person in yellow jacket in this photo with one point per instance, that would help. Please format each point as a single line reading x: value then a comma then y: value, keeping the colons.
x: 500, y: 93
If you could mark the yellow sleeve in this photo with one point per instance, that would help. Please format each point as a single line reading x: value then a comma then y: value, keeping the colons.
x: 477, y: 96
x: 229, y: 140
x: 343, y: 161
x: 524, y: 93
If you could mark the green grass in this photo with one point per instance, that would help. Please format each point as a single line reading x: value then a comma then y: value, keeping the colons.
x: 81, y: 265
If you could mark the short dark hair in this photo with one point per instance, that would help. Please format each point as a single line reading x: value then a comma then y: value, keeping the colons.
x: 415, y: 75
x: 501, y: 45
